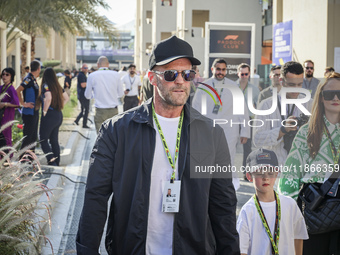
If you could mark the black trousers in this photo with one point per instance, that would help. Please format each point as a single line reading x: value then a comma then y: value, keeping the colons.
x: 30, y: 129
x: 130, y: 102
x: 84, y: 110
x: 49, y: 135
x: 322, y: 244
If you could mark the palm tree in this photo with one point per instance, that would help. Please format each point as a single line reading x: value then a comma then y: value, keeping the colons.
x: 40, y: 16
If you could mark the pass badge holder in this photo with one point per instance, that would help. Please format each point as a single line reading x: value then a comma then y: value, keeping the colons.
x: 171, y: 196
x: 217, y: 108
x: 172, y: 188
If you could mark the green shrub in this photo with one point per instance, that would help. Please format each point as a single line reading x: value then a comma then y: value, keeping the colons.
x: 20, y: 189
x: 70, y: 108
x: 51, y: 63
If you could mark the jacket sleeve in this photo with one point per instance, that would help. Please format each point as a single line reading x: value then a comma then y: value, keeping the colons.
x: 222, y: 202
x: 98, y: 191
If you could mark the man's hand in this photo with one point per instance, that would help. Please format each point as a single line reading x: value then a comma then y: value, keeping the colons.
x: 28, y: 105
x: 243, y: 140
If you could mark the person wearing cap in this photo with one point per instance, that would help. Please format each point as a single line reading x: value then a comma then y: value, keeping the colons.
x: 132, y: 84
x: 142, y: 153
x: 269, y: 223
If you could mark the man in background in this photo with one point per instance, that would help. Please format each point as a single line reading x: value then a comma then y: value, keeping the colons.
x: 106, y: 88
x: 28, y: 93
x: 243, y: 73
x: 309, y: 82
x: 84, y: 102
x: 275, y: 83
x: 132, y: 86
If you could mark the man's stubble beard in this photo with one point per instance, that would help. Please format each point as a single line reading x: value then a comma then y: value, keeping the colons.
x: 166, y: 97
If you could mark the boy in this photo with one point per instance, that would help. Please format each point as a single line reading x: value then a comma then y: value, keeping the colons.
x: 269, y: 223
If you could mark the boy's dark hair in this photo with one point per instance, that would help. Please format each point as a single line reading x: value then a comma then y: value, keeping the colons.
x: 243, y: 65
x: 219, y: 61
x: 67, y: 72
x: 291, y: 67
x: 35, y: 65
x: 27, y: 68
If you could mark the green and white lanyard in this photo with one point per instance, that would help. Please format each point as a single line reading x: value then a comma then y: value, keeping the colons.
x: 165, y: 145
x: 274, y: 241
x: 335, y: 152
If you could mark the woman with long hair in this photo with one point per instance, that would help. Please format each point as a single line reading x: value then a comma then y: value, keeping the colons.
x: 53, y: 98
x: 9, y: 101
x: 315, y: 150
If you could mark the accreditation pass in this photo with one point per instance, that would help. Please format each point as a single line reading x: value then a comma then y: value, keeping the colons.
x: 171, y: 195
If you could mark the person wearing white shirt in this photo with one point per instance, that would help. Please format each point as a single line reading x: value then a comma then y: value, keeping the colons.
x: 132, y: 87
x: 233, y: 132
x: 271, y: 134
x: 105, y: 86
x: 243, y: 72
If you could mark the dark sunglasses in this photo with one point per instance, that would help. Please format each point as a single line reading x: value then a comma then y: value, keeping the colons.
x: 244, y: 74
x: 221, y: 69
x: 171, y: 75
x: 309, y: 67
x: 328, y: 95
x: 5, y: 74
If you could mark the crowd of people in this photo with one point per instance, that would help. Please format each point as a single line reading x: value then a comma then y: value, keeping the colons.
x: 168, y: 140
x: 50, y: 98
x: 146, y: 158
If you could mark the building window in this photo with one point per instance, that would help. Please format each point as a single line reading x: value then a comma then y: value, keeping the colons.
x: 199, y: 17
x: 148, y: 17
x: 169, y: 1
x: 148, y: 48
x: 165, y: 35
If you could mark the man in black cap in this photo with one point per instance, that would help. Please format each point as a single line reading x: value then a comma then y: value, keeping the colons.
x: 142, y: 153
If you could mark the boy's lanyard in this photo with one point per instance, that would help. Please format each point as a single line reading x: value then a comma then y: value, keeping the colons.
x: 335, y: 152
x: 165, y: 145
x: 274, y: 241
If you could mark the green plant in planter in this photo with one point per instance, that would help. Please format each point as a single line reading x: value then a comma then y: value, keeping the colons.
x: 21, y: 226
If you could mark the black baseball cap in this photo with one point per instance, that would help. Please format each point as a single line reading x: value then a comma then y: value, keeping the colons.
x: 169, y: 50
x: 261, y: 157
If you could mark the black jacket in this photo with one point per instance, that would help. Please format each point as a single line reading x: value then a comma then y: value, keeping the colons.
x: 121, y: 163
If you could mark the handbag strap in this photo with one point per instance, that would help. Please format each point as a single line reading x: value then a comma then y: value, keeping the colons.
x: 327, y: 185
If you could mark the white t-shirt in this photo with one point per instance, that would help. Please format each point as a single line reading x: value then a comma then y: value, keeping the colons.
x: 131, y: 83
x: 253, y: 236
x: 106, y: 87
x: 160, y: 225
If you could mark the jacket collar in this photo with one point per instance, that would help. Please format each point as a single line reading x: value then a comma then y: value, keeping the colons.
x: 144, y: 113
